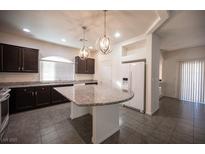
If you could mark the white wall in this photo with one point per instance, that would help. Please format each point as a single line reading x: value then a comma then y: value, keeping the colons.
x: 161, y: 61
x: 170, y: 73
x: 155, y: 58
x: 45, y: 49
x: 150, y: 53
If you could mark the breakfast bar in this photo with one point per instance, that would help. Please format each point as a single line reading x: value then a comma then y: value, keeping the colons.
x: 102, y: 102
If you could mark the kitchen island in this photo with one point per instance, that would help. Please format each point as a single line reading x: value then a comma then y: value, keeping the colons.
x: 102, y: 102
x: 45, y: 83
x: 35, y: 94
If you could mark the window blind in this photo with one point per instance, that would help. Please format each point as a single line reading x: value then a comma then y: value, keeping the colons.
x: 192, y: 81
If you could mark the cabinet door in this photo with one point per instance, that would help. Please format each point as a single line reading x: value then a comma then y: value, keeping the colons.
x: 57, y: 97
x: 1, y: 57
x: 90, y: 66
x: 11, y: 58
x: 43, y: 96
x: 30, y: 60
x: 80, y: 66
x: 24, y: 99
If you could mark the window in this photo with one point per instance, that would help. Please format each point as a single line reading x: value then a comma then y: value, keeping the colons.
x: 55, y: 70
x: 192, y: 81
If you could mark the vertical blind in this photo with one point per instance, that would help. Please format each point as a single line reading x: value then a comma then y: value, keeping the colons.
x: 192, y: 81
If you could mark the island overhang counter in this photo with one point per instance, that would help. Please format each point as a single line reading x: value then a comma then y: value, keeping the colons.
x: 102, y: 102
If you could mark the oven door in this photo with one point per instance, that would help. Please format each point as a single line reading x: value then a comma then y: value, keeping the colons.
x: 4, y: 112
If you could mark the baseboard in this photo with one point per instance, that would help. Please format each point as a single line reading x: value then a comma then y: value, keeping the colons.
x: 169, y: 97
x: 153, y: 112
x: 138, y: 110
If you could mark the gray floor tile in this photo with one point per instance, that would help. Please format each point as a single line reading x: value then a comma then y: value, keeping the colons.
x: 175, y: 122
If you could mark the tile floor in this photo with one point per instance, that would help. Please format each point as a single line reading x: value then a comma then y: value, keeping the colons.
x: 175, y: 122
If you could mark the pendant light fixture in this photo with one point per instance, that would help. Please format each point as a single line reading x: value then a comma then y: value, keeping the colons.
x: 84, y: 52
x: 103, y: 43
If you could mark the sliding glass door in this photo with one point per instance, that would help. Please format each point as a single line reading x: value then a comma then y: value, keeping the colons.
x: 192, y: 81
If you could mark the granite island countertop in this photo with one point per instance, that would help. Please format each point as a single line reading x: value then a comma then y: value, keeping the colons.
x: 95, y: 95
x: 42, y: 83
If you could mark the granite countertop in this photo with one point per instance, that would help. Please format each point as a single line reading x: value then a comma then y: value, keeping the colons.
x: 42, y: 83
x: 95, y: 95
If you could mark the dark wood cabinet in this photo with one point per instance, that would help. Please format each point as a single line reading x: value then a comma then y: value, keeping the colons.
x: 56, y: 97
x: 11, y: 58
x: 24, y: 99
x: 29, y: 98
x: 18, y: 59
x: 1, y: 58
x: 30, y: 60
x: 86, y: 66
x: 80, y: 65
x: 43, y: 96
x: 90, y: 66
x: 34, y: 97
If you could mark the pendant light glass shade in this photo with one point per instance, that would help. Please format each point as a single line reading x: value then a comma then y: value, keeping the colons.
x: 103, y: 43
x: 84, y: 52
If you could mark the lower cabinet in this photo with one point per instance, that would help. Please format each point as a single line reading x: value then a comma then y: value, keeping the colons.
x: 22, y: 99
x: 33, y: 97
x: 56, y: 97
x: 43, y: 96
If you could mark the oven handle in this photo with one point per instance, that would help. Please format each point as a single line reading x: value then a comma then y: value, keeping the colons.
x: 5, y: 97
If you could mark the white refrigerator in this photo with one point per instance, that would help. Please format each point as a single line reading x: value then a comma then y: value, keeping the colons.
x: 133, y: 78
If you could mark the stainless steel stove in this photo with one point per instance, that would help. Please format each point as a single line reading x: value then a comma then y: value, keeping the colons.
x: 4, y: 109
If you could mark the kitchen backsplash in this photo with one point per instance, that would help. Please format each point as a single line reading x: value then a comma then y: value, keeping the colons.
x: 83, y: 76
x: 19, y: 77
x: 27, y: 77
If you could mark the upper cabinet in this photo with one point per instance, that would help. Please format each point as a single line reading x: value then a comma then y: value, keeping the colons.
x: 90, y: 66
x: 18, y: 59
x: 29, y: 60
x: 11, y: 58
x: 86, y: 66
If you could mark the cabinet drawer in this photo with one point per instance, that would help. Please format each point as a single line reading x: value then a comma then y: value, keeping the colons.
x: 43, y: 89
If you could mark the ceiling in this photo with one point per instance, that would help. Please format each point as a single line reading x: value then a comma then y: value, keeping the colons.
x: 182, y: 30
x: 52, y: 26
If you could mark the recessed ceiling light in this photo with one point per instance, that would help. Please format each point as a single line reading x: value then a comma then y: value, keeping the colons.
x: 26, y: 30
x: 63, y: 40
x: 117, y: 34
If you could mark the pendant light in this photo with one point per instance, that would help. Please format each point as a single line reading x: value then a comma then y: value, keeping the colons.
x: 103, y: 43
x: 84, y: 52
